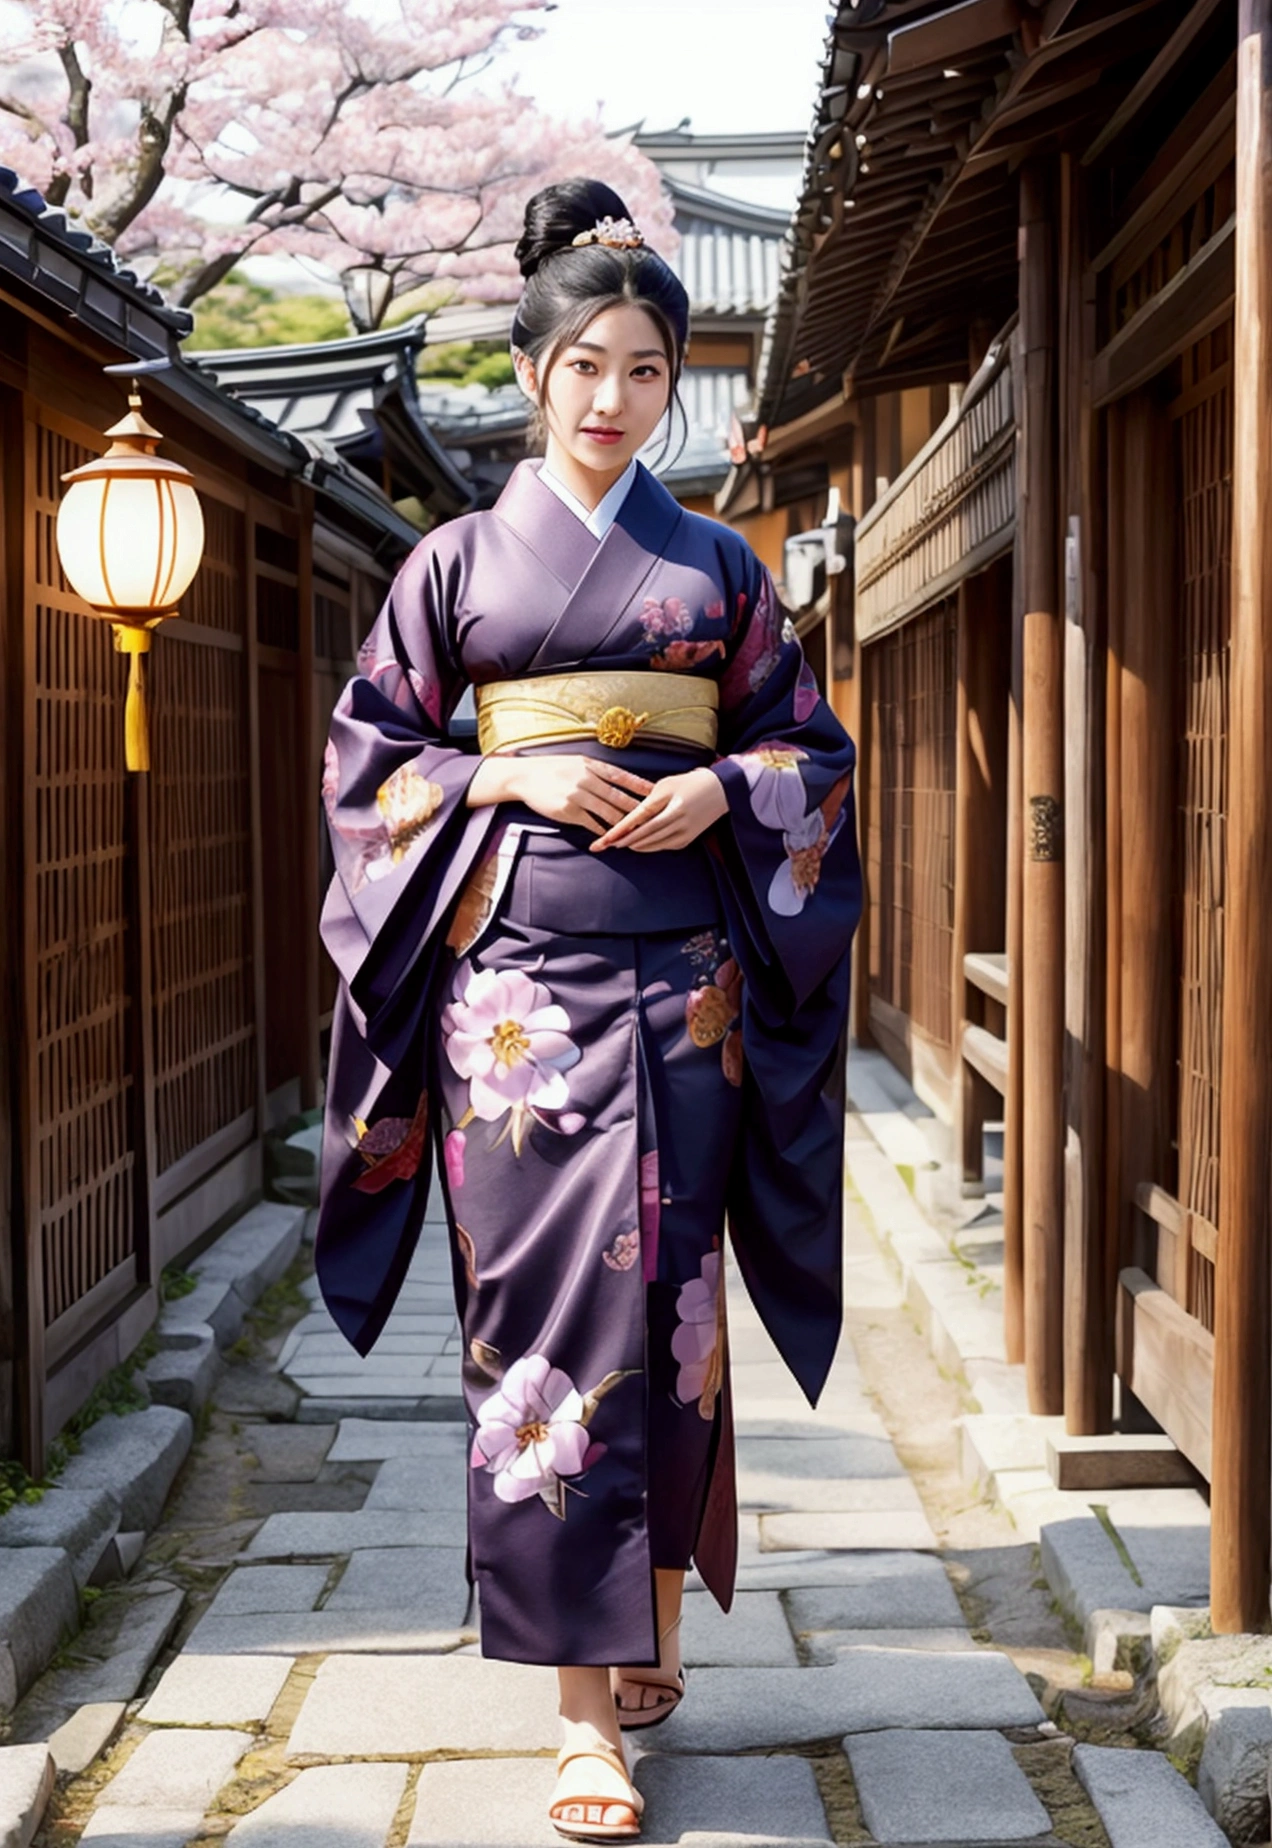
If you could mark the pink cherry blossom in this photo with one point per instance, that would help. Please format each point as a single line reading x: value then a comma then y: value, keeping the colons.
x: 530, y: 1432
x: 510, y: 1040
x: 695, y: 1343
x: 349, y: 137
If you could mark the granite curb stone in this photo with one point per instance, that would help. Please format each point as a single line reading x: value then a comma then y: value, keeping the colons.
x: 185, y: 1375
x: 255, y: 1251
x: 213, y: 1303
x: 82, y: 1522
x: 135, y: 1458
x: 39, y: 1608
x: 1232, y: 1778
x: 27, y: 1775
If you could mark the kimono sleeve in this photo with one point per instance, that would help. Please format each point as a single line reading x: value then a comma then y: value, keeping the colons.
x: 405, y: 844
x: 792, y: 896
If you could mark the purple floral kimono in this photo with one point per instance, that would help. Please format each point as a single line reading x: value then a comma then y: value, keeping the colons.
x: 606, y: 1052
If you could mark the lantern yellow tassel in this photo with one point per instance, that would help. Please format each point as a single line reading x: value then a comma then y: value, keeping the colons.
x: 134, y: 643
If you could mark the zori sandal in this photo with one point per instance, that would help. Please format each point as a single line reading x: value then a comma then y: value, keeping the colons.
x: 597, y: 1818
x: 670, y: 1686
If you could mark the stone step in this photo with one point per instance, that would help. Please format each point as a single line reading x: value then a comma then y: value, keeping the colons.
x: 135, y: 1459
x: 939, y: 1786
x: 255, y: 1251
x: 1142, y: 1800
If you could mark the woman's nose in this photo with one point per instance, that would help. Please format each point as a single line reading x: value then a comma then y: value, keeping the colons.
x: 608, y: 396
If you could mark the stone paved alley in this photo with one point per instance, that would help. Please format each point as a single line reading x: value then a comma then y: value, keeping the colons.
x: 893, y: 1671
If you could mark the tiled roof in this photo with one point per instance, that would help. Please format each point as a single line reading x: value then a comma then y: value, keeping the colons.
x: 729, y: 252
x: 71, y: 266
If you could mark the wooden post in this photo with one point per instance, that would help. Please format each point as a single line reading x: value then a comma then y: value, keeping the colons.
x: 1042, y: 755
x: 309, y: 779
x: 1088, y: 1356
x: 1241, y: 1483
x: 1014, y: 1102
x: 980, y: 821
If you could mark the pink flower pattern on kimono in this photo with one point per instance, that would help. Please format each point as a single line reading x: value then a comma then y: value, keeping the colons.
x: 530, y: 1433
x: 698, y: 1343
x: 677, y: 656
x: 510, y: 1040
x: 664, y: 621
x: 759, y: 648
x: 533, y: 1432
x: 453, y: 1155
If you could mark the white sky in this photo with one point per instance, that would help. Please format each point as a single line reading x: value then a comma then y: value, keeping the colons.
x: 730, y: 65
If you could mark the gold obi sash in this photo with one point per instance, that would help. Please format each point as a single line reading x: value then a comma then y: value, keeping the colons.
x: 611, y: 707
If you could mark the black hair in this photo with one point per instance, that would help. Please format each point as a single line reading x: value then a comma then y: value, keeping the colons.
x: 567, y: 284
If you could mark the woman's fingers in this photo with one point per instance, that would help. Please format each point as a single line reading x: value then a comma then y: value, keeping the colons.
x: 622, y: 779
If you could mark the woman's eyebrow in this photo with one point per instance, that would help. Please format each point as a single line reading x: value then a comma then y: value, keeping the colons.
x: 592, y: 346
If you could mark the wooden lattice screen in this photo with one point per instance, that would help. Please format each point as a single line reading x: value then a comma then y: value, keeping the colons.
x: 910, y: 821
x: 80, y: 1080
x: 201, y: 870
x: 1203, y: 432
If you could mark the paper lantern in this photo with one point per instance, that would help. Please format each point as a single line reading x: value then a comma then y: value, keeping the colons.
x: 130, y: 538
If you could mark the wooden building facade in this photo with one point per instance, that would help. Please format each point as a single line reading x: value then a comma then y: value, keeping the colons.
x: 1055, y: 218
x: 158, y: 942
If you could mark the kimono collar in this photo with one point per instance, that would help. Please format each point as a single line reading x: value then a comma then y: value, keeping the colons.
x: 562, y: 543
x: 600, y: 518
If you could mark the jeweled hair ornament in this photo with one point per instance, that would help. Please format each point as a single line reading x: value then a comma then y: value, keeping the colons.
x: 614, y: 233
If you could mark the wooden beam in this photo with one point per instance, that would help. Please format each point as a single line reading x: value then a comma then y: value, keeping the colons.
x: 951, y: 34
x: 1241, y: 1483
x: 1168, y: 1360
x: 1179, y: 42
x: 1191, y: 305
x: 1043, y: 814
x: 310, y: 726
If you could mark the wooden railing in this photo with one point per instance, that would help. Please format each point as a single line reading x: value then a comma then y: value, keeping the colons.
x: 950, y: 513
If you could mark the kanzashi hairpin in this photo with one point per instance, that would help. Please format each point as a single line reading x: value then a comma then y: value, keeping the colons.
x: 614, y: 233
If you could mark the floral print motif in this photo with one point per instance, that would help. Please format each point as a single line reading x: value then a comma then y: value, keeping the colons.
x: 668, y: 626
x: 408, y: 803
x: 509, y: 1038
x: 713, y: 1006
x: 677, y: 656
x: 698, y: 1343
x: 778, y: 800
x: 392, y: 1148
x: 453, y: 1156
x: 403, y: 686
x: 760, y: 648
x: 623, y: 1252
x: 533, y: 1432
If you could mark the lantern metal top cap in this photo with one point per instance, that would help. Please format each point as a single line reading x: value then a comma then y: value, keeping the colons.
x: 133, y: 450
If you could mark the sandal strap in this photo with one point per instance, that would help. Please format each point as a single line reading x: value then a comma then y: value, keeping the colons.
x: 608, y: 1755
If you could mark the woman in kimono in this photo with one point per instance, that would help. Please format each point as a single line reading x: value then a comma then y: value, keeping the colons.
x: 599, y: 967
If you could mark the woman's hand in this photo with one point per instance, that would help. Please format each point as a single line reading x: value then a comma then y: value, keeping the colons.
x: 676, y: 811
x: 587, y: 792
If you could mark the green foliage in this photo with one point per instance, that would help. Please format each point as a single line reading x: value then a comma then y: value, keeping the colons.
x: 17, y: 1489
x: 175, y: 1283
x: 239, y: 313
x: 467, y: 362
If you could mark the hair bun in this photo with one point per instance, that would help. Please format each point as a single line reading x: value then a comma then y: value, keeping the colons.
x: 556, y: 215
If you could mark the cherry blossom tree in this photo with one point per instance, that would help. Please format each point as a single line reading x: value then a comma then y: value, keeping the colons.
x: 350, y: 134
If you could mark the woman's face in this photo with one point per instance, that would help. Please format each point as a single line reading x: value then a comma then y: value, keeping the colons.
x: 605, y: 393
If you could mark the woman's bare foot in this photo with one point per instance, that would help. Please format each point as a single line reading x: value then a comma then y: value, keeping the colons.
x: 643, y: 1696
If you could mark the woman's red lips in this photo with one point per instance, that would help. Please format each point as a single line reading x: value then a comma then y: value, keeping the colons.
x: 600, y: 431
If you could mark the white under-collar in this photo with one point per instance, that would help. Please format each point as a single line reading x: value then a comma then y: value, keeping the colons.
x: 600, y: 518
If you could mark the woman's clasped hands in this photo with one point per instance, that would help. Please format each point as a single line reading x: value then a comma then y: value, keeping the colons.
x: 619, y: 807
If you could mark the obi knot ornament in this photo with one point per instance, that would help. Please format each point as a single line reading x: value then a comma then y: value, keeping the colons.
x: 618, y: 725
x: 130, y: 539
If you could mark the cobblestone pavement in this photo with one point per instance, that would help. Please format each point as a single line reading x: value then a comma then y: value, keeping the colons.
x: 326, y: 1690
